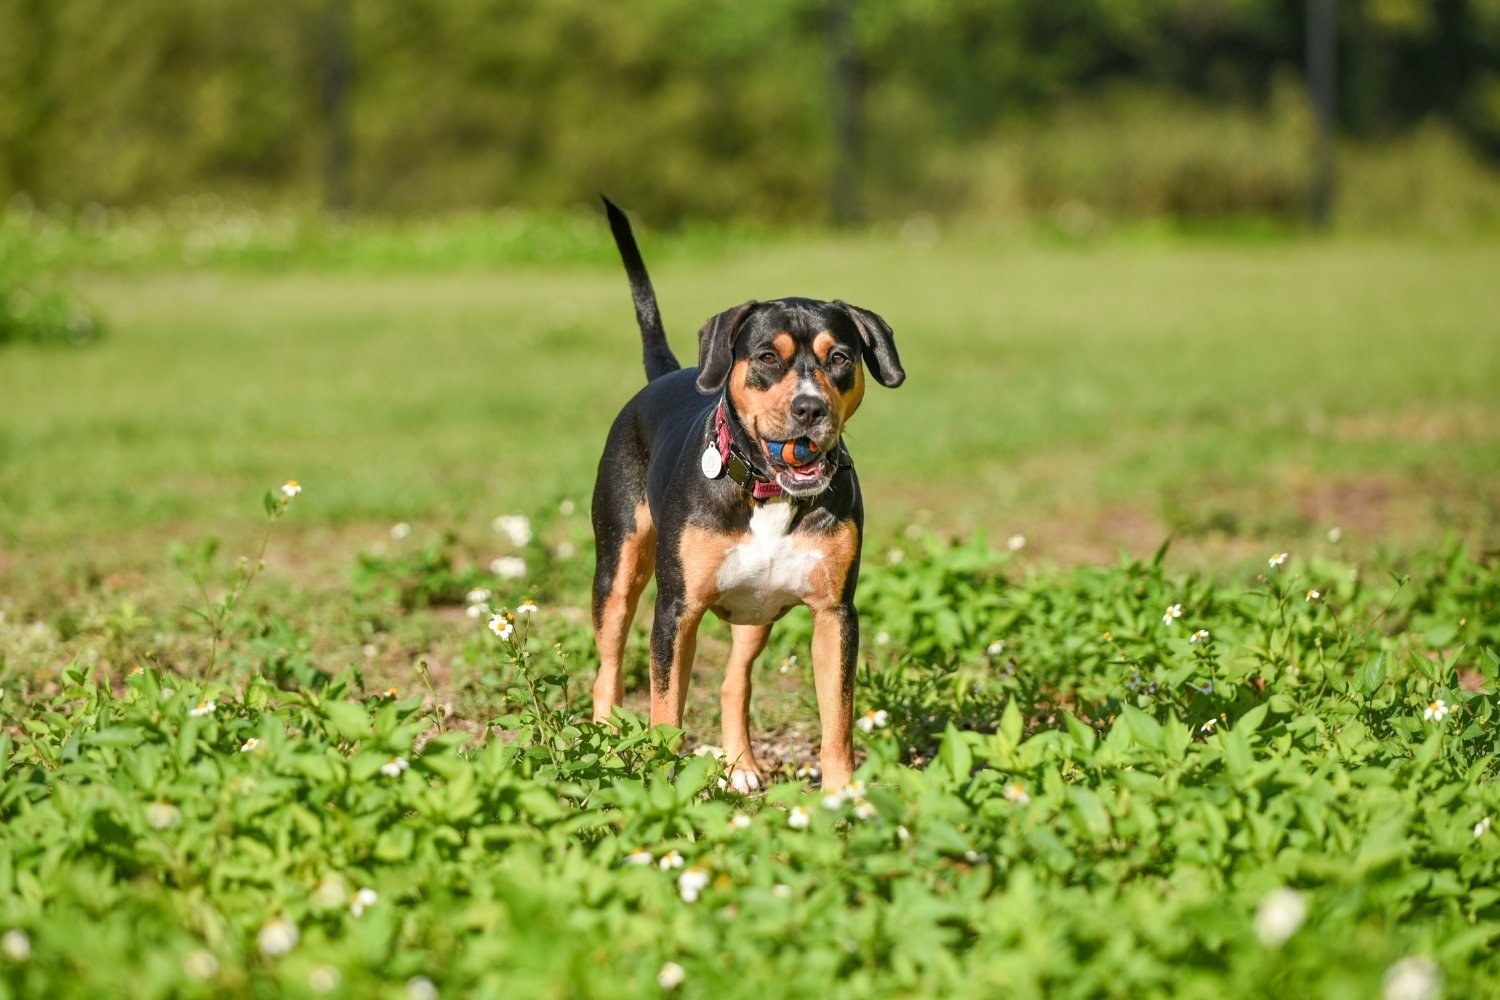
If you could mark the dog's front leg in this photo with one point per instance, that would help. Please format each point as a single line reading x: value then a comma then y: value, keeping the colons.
x: 835, y: 649
x: 674, y: 641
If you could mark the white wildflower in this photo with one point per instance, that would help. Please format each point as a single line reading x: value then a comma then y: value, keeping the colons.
x: 1172, y: 613
x: 515, y: 527
x: 203, y: 708
x: 162, y: 815
x: 16, y: 945
x: 363, y: 900
x: 1199, y: 636
x: 290, y: 488
x: 250, y: 745
x: 1015, y: 543
x: 995, y: 648
x: 670, y: 860
x: 1436, y: 711
x: 502, y: 626
x: 864, y: 809
x: 526, y: 608
x: 1415, y: 977
x: 739, y: 821
x: 691, y: 882
x: 882, y: 638
x: 1279, y: 916
x: 1016, y: 792
x: 277, y: 937
x: 875, y: 718
x: 638, y: 858
x: 799, y: 818
x: 1481, y: 828
x: 671, y: 976
x: 393, y: 767
x: 1277, y: 560
x: 509, y: 567
x: 323, y: 979
x: 400, y: 531
x: 200, y: 964
x: 421, y: 988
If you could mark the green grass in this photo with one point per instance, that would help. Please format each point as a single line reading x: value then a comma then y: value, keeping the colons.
x: 1093, y: 398
x: 1241, y: 397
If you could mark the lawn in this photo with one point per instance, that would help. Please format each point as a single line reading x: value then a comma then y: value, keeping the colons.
x: 1093, y: 764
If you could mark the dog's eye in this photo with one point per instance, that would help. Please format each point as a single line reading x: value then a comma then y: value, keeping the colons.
x: 838, y: 358
x: 768, y: 358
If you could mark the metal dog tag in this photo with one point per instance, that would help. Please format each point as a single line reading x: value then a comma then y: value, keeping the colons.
x: 712, y: 462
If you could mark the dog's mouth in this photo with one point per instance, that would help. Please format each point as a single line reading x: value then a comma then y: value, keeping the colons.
x: 802, y: 466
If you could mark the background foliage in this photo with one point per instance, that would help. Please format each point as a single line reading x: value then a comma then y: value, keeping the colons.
x: 723, y: 109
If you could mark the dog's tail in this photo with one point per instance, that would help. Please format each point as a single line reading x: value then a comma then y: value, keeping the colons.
x: 658, y: 355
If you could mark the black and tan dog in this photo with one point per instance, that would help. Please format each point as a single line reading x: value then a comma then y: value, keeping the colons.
x: 732, y: 484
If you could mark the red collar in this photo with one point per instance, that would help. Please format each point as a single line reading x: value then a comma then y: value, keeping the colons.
x: 738, y: 469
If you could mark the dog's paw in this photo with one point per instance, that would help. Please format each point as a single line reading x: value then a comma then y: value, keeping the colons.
x: 744, y: 780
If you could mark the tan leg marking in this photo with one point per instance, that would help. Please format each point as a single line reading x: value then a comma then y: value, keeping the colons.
x: 745, y: 775
x: 637, y: 562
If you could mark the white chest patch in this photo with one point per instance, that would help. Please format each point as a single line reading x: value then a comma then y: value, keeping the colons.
x: 767, y: 572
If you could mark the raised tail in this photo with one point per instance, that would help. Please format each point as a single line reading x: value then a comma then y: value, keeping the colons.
x: 658, y: 356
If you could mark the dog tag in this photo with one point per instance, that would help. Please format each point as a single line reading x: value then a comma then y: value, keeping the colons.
x: 712, y: 462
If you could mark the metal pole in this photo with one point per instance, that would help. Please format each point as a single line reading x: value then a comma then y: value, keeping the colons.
x: 1322, y: 85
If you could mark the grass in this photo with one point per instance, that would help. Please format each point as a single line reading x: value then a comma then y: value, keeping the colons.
x: 1069, y: 796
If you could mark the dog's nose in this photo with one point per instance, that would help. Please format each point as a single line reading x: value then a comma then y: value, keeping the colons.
x: 808, y: 409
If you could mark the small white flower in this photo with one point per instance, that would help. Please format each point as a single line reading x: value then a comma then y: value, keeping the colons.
x: 1172, y: 613
x: 369, y: 649
x: 250, y: 745
x: 1277, y: 560
x: 400, y: 530
x: 477, y: 611
x: 515, y: 527
x: 1436, y: 711
x: 1415, y: 977
x: 1209, y: 725
x: 477, y: 596
x: 671, y: 976
x: 363, y: 900
x: 670, y: 860
x: 16, y: 945
x: 509, y: 567
x: 903, y: 834
x: 502, y: 626
x: 565, y: 550
x: 1199, y: 636
x: 277, y: 937
x: 330, y: 892
x: 1335, y: 534
x: 835, y: 800
x: 882, y: 638
x: 789, y: 664
x: 1313, y: 596
x: 691, y: 882
x: 975, y: 857
x: 1016, y: 792
x: 865, y: 809
x: 895, y: 557
x: 638, y: 858
x: 875, y: 718
x: 739, y: 821
x: 808, y: 772
x: 290, y: 488
x: 781, y: 890
x: 203, y: 708
x: 798, y: 818
x: 526, y: 608
x: 1015, y: 543
x: 323, y: 979
x: 393, y: 767
x: 200, y: 964
x: 566, y: 508
x: 421, y: 988
x: 162, y: 815
x: 995, y: 648
x: 1481, y: 828
x: 1279, y: 916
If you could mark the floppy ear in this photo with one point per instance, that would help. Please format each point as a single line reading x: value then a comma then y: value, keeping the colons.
x: 716, y: 346
x: 880, y: 345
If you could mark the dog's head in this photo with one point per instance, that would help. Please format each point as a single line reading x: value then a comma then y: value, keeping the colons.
x: 792, y: 371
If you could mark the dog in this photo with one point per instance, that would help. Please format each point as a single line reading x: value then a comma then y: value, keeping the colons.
x: 732, y: 484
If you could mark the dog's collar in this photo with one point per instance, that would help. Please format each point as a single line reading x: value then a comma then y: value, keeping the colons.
x: 737, y: 467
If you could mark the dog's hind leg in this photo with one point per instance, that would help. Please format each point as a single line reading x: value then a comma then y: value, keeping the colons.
x: 734, y: 702
x: 626, y: 542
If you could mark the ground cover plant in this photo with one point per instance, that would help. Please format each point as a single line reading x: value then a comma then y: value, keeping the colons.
x: 303, y: 755
x: 1094, y: 781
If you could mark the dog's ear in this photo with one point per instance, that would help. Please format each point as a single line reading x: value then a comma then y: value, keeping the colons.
x: 716, y: 346
x: 880, y: 345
